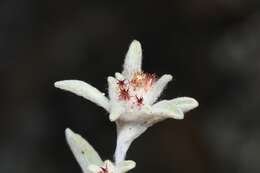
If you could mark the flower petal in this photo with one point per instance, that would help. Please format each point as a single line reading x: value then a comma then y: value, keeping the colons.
x: 84, y: 153
x: 116, y: 108
x: 126, y: 165
x: 167, y: 109
x: 94, y: 169
x: 185, y: 103
x: 109, y: 166
x: 133, y: 59
x: 119, y: 76
x: 85, y: 90
x: 157, y: 88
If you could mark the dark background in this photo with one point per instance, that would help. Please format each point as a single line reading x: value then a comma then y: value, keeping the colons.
x: 210, y: 46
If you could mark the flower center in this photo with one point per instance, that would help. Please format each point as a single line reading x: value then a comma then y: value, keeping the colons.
x: 133, y: 91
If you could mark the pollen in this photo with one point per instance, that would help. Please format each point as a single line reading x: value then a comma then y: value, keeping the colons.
x: 138, y: 79
x: 145, y: 80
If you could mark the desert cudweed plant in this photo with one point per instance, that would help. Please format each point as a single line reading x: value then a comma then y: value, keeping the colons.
x: 131, y: 105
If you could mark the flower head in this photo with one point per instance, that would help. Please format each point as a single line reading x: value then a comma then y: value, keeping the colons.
x: 132, y: 99
x: 88, y: 158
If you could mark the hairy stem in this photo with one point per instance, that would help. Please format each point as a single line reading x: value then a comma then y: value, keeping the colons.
x: 126, y: 134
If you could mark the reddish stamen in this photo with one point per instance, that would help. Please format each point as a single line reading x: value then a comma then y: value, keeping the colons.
x: 104, y: 170
x: 149, y: 80
x: 139, y: 100
x: 124, y: 94
x: 121, y: 83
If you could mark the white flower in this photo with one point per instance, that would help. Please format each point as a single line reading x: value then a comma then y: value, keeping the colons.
x: 132, y: 99
x: 88, y: 158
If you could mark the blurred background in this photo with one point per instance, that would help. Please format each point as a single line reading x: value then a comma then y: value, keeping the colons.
x: 210, y: 47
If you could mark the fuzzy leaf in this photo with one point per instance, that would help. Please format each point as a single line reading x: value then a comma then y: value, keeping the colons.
x: 84, y: 153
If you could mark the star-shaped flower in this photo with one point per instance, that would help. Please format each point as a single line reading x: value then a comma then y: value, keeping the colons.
x: 88, y: 158
x: 132, y: 99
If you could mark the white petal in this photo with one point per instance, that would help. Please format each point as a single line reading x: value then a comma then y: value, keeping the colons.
x: 185, y: 103
x: 82, y: 150
x: 94, y: 169
x: 119, y: 76
x: 167, y: 109
x: 126, y: 165
x: 133, y: 59
x: 116, y: 107
x: 85, y: 90
x: 109, y: 166
x: 156, y: 90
